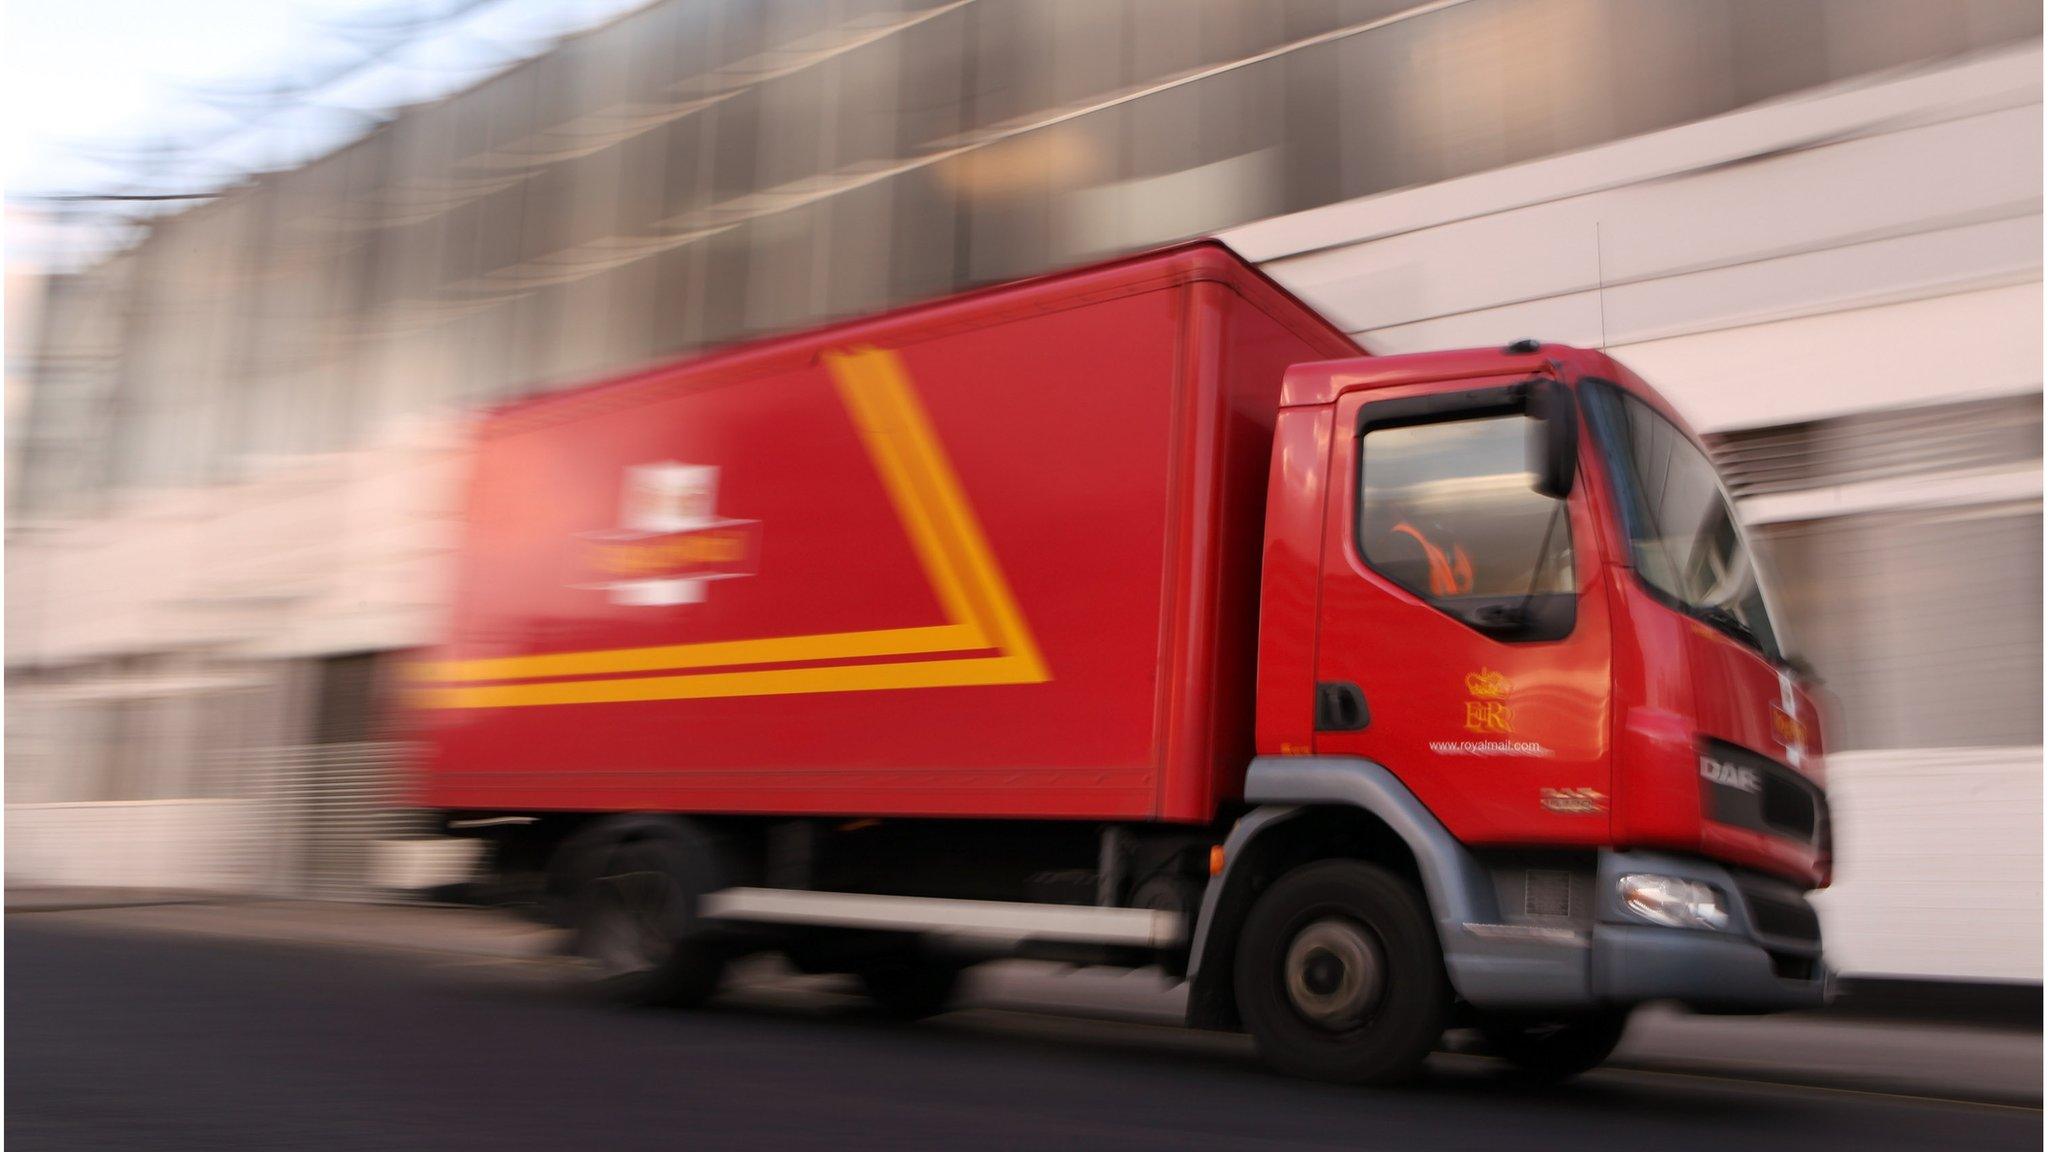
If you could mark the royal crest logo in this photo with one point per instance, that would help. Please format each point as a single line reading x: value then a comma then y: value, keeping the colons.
x: 671, y: 542
x: 1487, y: 710
x: 1486, y: 684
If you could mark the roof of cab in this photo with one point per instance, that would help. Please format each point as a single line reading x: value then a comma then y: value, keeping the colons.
x: 1323, y: 381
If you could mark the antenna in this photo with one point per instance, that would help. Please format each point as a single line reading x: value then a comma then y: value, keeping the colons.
x: 1600, y: 281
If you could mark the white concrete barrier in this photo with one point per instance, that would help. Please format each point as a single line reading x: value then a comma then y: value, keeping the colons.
x: 188, y: 845
x: 1938, y: 864
x: 415, y: 863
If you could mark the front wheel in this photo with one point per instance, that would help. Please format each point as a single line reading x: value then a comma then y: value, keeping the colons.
x: 1548, y: 1051
x: 1340, y: 976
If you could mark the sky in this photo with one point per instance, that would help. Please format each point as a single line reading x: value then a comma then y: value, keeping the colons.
x: 76, y: 72
x: 92, y: 88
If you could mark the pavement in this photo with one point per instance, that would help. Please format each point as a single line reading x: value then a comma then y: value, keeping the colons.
x: 137, y: 1024
x: 1967, y: 1062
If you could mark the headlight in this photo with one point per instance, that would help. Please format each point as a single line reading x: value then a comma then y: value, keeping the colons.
x: 1672, y: 902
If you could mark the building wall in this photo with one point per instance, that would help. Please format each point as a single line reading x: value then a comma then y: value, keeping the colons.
x: 695, y: 173
x: 238, y: 469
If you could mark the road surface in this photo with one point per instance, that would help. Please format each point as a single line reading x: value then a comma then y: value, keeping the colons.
x: 127, y: 1038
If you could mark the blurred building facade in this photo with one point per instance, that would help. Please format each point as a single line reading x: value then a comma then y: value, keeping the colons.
x: 1815, y: 224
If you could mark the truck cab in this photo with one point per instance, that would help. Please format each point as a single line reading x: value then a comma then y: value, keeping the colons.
x: 1507, y: 607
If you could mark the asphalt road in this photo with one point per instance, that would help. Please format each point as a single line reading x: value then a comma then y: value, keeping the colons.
x: 123, y: 1039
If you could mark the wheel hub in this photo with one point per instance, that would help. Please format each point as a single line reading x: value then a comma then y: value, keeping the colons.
x: 1334, y: 973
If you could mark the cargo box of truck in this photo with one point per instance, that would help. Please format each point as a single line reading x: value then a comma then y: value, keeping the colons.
x: 995, y: 556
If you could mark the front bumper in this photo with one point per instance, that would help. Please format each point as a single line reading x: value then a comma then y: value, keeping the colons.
x: 1632, y: 964
x: 1768, y: 958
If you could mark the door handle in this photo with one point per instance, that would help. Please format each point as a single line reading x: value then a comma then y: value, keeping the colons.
x: 1340, y: 707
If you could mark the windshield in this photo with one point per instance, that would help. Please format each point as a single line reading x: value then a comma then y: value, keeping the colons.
x: 1682, y: 533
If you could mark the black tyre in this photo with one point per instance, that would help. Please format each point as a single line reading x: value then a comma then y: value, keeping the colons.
x: 1548, y: 1051
x: 634, y: 920
x: 911, y: 988
x: 1340, y: 976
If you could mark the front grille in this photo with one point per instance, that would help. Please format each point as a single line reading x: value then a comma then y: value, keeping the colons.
x: 1789, y: 805
x: 1780, y: 914
x: 1750, y: 791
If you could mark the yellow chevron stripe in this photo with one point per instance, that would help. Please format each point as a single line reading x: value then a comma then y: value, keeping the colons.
x: 879, y: 418
x: 728, y: 653
x: 961, y: 530
x: 944, y: 532
x: 949, y: 673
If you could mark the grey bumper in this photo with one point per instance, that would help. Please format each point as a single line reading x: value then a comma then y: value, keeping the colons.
x: 1632, y: 964
x: 1620, y: 960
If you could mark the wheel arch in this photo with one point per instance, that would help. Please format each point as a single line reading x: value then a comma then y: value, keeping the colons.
x: 1316, y: 808
x: 576, y: 859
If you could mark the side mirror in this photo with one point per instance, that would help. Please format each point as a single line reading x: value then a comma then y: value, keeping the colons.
x: 1554, y: 439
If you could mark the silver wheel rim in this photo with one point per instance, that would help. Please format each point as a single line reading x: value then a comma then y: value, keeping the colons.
x: 1334, y: 973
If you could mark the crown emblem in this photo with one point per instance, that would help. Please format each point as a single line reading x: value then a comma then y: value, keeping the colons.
x: 1487, y: 684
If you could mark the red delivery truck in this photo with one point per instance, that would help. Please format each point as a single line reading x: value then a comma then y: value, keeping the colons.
x: 1132, y: 616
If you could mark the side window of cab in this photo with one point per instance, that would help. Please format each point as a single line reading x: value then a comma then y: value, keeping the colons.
x: 1448, y: 509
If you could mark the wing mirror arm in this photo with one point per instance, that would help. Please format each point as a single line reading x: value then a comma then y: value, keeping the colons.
x: 1554, y: 438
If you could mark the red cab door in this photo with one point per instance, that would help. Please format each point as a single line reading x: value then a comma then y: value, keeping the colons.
x: 1463, y: 633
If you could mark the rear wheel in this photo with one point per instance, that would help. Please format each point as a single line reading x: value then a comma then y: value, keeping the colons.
x: 1547, y: 1051
x: 634, y: 917
x: 1339, y: 975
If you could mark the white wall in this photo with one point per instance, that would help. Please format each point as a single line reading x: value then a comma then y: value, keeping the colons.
x: 1941, y: 863
x: 323, y: 554
x: 218, y: 590
x: 1843, y: 251
x: 184, y: 845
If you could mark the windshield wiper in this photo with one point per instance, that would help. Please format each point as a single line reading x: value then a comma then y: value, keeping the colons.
x: 1730, y: 623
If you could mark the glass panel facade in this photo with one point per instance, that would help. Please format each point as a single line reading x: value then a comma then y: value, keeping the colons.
x: 698, y: 173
